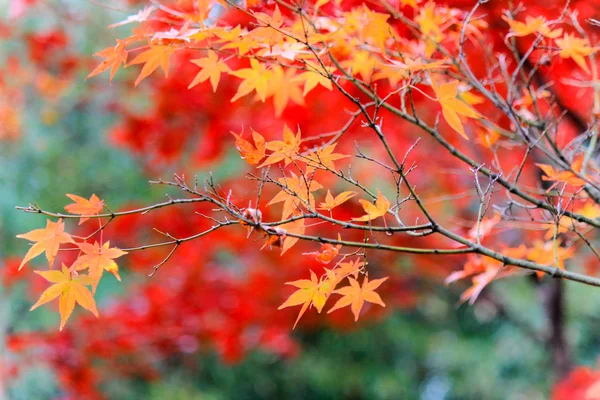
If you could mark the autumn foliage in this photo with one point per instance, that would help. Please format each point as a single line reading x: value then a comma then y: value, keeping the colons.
x: 443, y: 134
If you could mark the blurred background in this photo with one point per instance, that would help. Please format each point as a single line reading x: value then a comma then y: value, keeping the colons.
x: 207, y: 326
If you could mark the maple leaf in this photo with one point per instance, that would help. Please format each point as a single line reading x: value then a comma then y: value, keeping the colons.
x: 288, y: 50
x: 362, y: 63
x: 114, y: 57
x: 269, y: 30
x: 252, y: 154
x: 532, y: 25
x: 549, y: 253
x: 376, y: 29
x: 84, y: 207
x: 71, y: 289
x: 309, y: 292
x: 283, y: 150
x: 564, y: 176
x: 379, y: 209
x: 323, y: 158
x: 575, y: 48
x: 355, y: 295
x: 331, y: 202
x: 98, y: 258
x: 345, y: 269
x: 452, y: 106
x: 256, y: 78
x: 284, y: 88
x: 430, y: 22
x: 212, y: 67
x: 156, y: 56
x: 327, y: 254
x: 311, y: 79
x: 297, y: 193
x: 294, y: 227
x: 48, y: 240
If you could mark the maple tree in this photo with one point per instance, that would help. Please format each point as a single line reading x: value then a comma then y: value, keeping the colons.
x: 431, y: 131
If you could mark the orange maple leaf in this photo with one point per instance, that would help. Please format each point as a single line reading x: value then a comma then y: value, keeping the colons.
x: 323, y: 158
x: 96, y: 259
x: 212, y: 67
x: 114, y: 57
x: 379, y: 209
x: 313, y: 78
x: 309, y: 292
x: 252, y: 154
x: 452, y: 106
x: 345, y: 269
x: 283, y: 87
x: 71, y: 289
x: 331, y: 202
x: 355, y: 295
x: 575, y: 48
x: 156, y: 56
x: 84, y: 207
x: 286, y: 150
x: 48, y: 240
x: 549, y: 253
x: 564, y: 176
x: 296, y: 193
x: 294, y: 227
x: 532, y: 25
x: 256, y: 78
x: 327, y: 254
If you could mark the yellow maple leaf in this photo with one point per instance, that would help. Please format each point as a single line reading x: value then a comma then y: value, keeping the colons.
x: 84, y: 207
x: 297, y: 193
x: 532, y: 25
x: 549, y: 253
x: 212, y: 68
x: 283, y: 87
x: 575, y: 48
x: 156, y: 56
x: 331, y: 202
x: 283, y: 150
x: 323, y: 158
x: 256, y: 78
x: 430, y: 22
x: 309, y: 292
x: 311, y: 79
x: 71, y: 289
x: 361, y: 63
x: 355, y: 295
x: 47, y: 240
x: 96, y: 259
x: 566, y: 176
x: 452, y: 106
x: 379, y: 209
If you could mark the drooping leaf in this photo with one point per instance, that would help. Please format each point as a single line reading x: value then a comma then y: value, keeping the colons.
x: 98, y: 258
x: 156, y: 56
x: 309, y: 292
x: 72, y: 290
x: 452, y: 106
